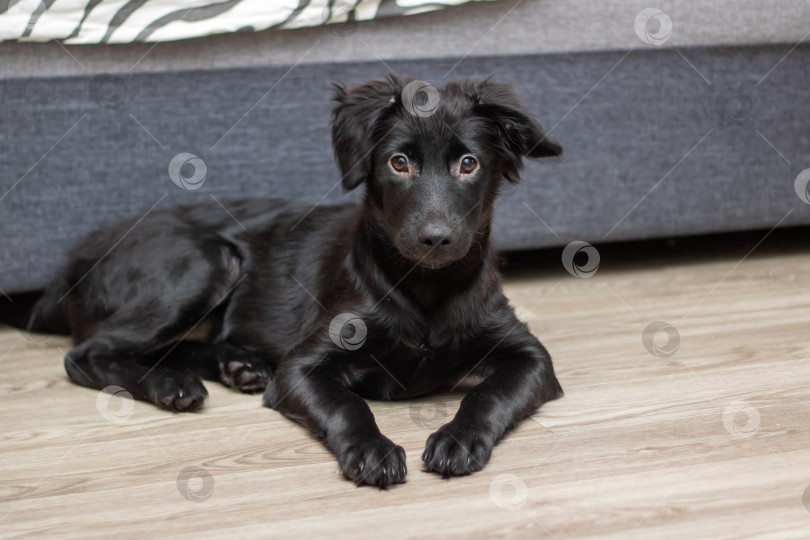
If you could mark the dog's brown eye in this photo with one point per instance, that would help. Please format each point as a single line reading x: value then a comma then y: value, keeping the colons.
x: 468, y: 164
x: 399, y: 163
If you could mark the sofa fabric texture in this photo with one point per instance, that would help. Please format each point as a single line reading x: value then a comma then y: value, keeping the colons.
x: 654, y: 145
x: 676, y: 118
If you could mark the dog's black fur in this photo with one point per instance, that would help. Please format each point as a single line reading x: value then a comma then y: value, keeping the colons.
x: 281, y: 298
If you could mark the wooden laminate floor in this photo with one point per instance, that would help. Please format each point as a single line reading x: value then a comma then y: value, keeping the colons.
x: 701, y: 432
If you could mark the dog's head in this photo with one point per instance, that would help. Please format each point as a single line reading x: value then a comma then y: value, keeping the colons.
x: 433, y: 158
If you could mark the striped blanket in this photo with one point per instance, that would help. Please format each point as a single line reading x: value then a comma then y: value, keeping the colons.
x: 125, y: 21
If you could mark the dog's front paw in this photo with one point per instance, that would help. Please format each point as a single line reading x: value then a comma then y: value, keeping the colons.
x: 457, y: 450
x: 244, y: 374
x: 181, y: 394
x: 375, y: 461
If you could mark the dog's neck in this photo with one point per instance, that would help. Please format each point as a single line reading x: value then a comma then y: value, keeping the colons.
x: 376, y: 254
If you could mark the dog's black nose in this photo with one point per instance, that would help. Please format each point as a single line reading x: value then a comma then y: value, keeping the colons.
x: 436, y: 234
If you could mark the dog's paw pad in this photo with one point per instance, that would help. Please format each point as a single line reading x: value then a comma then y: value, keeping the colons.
x: 244, y: 375
x: 376, y: 462
x: 182, y: 395
x: 453, y: 451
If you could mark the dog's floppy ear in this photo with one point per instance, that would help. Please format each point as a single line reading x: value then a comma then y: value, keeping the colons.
x: 515, y: 132
x: 356, y: 123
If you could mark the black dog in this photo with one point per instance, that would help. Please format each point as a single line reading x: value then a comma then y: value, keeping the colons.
x: 388, y: 299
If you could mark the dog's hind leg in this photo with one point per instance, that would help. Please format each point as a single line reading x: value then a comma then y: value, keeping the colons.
x: 169, y: 377
x: 103, y: 361
x: 129, y: 309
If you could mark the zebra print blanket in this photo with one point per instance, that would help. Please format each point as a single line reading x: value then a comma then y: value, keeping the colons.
x: 125, y: 21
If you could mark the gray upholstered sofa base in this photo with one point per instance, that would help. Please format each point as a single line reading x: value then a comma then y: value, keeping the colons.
x: 657, y: 143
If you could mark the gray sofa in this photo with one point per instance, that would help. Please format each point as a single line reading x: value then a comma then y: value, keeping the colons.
x: 701, y: 130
